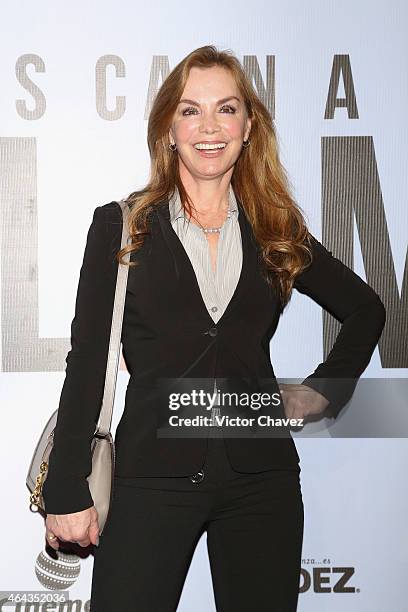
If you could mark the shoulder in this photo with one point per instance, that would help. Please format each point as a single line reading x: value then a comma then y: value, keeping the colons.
x: 106, y: 227
x: 320, y: 260
x: 109, y: 214
x: 108, y: 218
x: 316, y: 247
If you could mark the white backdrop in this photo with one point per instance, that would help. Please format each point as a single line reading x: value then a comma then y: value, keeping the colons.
x: 65, y: 149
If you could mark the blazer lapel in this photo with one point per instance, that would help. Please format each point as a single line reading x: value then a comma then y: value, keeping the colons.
x: 184, y: 272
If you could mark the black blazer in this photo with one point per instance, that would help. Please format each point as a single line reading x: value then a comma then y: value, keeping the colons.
x: 168, y: 333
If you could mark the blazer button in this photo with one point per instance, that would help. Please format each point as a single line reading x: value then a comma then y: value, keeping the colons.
x: 213, y: 331
x: 196, y: 478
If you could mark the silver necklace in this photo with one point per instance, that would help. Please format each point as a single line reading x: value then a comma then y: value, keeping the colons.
x: 213, y: 230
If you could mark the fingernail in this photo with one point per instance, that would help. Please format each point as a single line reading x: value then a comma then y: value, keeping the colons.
x: 97, y: 541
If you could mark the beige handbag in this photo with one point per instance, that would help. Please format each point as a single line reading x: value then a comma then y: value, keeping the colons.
x: 102, y: 446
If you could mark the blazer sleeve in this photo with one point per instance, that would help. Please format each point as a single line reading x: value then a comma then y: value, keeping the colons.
x: 65, y: 489
x: 355, y: 304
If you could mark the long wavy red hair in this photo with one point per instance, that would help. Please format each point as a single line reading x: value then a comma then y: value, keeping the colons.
x: 259, y: 180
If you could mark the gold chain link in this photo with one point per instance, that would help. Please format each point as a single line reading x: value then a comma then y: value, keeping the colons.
x: 36, y: 494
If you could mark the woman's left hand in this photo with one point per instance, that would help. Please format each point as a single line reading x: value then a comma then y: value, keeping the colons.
x: 300, y: 401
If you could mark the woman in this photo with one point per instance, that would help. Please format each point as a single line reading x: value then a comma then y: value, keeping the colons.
x: 218, y: 245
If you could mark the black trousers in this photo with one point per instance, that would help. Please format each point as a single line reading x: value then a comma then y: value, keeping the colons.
x: 254, y: 525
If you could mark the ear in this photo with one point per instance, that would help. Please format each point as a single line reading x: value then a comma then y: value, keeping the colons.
x: 171, y: 137
x: 248, y: 128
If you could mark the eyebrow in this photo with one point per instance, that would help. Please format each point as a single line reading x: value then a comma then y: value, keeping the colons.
x: 218, y: 101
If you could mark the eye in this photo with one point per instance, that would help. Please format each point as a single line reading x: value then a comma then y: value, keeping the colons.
x: 186, y: 110
x: 231, y: 108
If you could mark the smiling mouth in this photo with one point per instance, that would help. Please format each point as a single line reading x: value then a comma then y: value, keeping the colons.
x: 217, y: 146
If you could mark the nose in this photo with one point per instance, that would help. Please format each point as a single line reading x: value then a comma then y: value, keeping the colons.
x: 209, y: 123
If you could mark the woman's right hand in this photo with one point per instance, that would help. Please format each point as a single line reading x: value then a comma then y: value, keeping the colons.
x: 81, y: 527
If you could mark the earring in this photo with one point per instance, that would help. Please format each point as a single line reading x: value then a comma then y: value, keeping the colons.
x: 246, y: 143
x: 173, y: 147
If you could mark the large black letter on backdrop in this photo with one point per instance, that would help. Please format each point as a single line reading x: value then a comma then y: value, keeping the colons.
x: 351, y: 188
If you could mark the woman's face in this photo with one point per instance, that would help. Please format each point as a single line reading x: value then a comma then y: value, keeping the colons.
x: 211, y: 110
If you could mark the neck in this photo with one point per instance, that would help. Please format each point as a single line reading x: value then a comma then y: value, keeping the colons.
x: 209, y: 197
